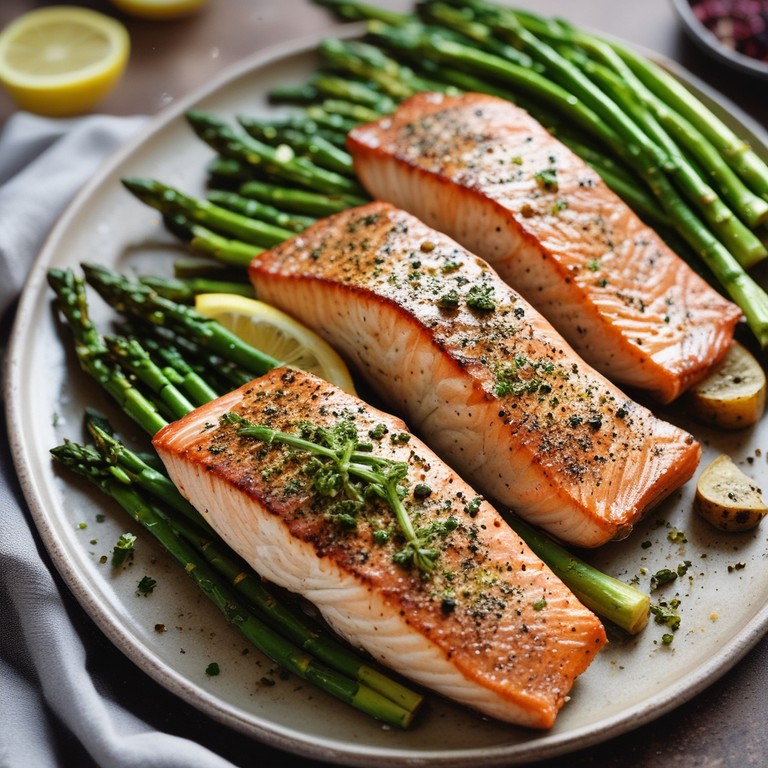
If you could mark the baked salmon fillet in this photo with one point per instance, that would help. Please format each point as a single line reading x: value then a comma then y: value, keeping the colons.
x: 479, y: 373
x: 483, y: 171
x: 489, y: 626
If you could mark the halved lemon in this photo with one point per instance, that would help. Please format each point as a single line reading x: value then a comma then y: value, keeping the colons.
x: 159, y: 9
x: 62, y: 60
x: 277, y: 334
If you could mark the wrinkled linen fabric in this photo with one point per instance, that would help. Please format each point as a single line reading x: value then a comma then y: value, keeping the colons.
x: 67, y: 696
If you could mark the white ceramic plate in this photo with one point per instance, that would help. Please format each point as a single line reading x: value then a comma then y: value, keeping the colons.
x: 631, y: 682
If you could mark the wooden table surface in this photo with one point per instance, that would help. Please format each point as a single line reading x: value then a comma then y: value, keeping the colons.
x: 723, y: 726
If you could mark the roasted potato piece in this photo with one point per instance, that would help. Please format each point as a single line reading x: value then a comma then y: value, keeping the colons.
x: 727, y: 498
x: 733, y: 395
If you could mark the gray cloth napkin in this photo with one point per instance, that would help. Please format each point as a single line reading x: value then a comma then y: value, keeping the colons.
x: 67, y: 697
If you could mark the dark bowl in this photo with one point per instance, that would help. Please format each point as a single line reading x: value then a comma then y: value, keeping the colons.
x: 710, y: 44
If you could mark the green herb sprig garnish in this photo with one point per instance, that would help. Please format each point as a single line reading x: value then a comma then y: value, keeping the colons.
x: 123, y: 549
x: 523, y: 376
x: 341, y: 464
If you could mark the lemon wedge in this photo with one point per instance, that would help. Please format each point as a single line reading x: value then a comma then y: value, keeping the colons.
x: 277, y: 334
x: 62, y: 60
x: 159, y: 9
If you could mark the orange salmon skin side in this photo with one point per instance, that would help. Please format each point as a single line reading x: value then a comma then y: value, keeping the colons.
x: 490, y: 627
x: 478, y: 372
x: 483, y: 171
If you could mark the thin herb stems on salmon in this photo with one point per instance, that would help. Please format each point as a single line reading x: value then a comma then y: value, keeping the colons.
x: 345, y: 462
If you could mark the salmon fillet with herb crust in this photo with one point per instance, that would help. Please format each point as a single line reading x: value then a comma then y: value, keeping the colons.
x: 483, y: 171
x: 478, y: 372
x: 489, y: 626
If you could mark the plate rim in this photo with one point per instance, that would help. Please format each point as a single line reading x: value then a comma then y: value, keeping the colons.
x: 290, y: 740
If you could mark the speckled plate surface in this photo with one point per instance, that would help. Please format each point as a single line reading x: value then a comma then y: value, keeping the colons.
x: 631, y: 682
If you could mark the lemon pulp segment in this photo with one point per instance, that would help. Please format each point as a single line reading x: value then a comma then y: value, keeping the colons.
x: 277, y: 334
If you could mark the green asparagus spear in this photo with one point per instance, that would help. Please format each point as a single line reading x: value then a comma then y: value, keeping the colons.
x: 217, y: 375
x: 365, y: 93
x: 137, y: 300
x: 177, y: 365
x: 135, y: 360
x: 201, y: 240
x: 468, y: 31
x: 269, y: 132
x: 138, y: 471
x: 340, y: 123
x: 737, y: 152
x: 347, y: 110
x: 294, y: 94
x: 93, y: 355
x: 229, y: 169
x: 315, y: 148
x: 369, y: 61
x: 189, y: 381
x: 257, y: 210
x: 230, y: 143
x: 359, y: 12
x: 184, y: 290
x: 286, y: 198
x: 619, y: 603
x: 172, y: 202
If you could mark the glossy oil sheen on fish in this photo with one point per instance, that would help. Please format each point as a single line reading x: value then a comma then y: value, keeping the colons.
x: 490, y: 626
x: 483, y: 171
x: 478, y: 372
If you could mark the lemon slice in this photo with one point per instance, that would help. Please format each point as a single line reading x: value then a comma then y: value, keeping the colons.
x: 277, y: 334
x: 62, y: 60
x: 159, y: 9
